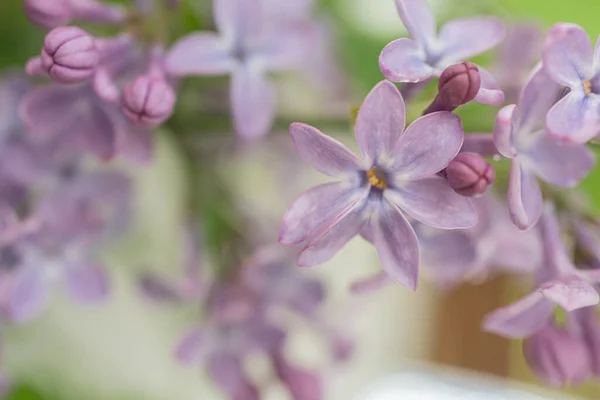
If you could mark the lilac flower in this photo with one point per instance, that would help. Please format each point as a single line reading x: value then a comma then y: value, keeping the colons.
x: 53, y: 13
x: 397, y: 173
x: 520, y: 134
x: 570, y: 61
x: 71, y: 222
x: 558, y: 356
x: 426, y: 54
x: 469, y: 174
x: 559, y: 283
x: 248, y: 47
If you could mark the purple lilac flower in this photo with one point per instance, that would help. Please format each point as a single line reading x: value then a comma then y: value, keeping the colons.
x: 458, y: 85
x: 53, y: 13
x: 248, y: 47
x: 570, y: 61
x: 516, y: 56
x: 520, y: 135
x: 469, y: 175
x: 71, y: 222
x: 426, y: 54
x: 398, y: 172
x: 559, y: 283
x: 558, y: 356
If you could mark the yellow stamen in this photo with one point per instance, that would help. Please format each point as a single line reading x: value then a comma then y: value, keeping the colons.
x: 375, y: 179
x: 587, y: 86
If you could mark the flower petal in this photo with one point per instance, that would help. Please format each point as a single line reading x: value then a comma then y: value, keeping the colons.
x: 525, y: 201
x: 238, y: 20
x: 46, y: 109
x: 538, y: 96
x: 371, y: 283
x: 397, y: 246
x: 558, y: 164
x: 428, y: 145
x: 432, y: 202
x: 86, y: 282
x: 302, y: 385
x: 322, y: 152
x: 404, y: 61
x: 521, y: 319
x: 380, y: 121
x: 202, y: 53
x: 325, y: 246
x: 489, y: 93
x: 188, y: 349
x: 506, y: 119
x: 567, y: 54
x: 464, y: 38
x: 29, y: 294
x: 316, y: 210
x: 226, y: 371
x: 252, y: 101
x: 418, y: 20
x: 570, y: 293
x: 96, y: 131
x: 575, y: 118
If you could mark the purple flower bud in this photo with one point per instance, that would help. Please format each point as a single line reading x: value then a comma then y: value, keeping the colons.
x: 148, y: 100
x: 458, y: 85
x: 48, y: 13
x: 558, y: 356
x: 69, y: 55
x: 469, y: 174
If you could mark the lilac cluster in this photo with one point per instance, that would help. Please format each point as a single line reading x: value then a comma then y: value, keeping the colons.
x: 240, y: 319
x: 420, y: 194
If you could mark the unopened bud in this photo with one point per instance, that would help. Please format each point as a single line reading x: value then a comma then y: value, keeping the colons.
x: 458, y: 85
x: 48, y: 13
x: 69, y: 55
x: 468, y: 174
x: 558, y: 356
x: 148, y: 100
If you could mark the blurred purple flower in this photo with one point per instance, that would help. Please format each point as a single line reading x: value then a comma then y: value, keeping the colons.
x: 520, y: 135
x: 558, y: 356
x: 53, y: 13
x: 249, y: 46
x: 398, y: 172
x: 570, y: 61
x: 559, y: 283
x: 426, y: 54
x: 302, y: 385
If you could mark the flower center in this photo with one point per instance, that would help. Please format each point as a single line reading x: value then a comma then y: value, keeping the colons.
x: 587, y: 86
x: 377, y: 178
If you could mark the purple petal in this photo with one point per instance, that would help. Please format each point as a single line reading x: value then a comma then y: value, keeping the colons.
x: 188, y: 349
x: 252, y: 102
x: 505, y: 120
x: 325, y: 246
x: 302, y: 385
x: 570, y: 293
x: 575, y: 118
x: 322, y: 152
x: 561, y: 165
x: 29, y: 294
x: 404, y: 61
x: 202, y: 53
x: 464, y: 38
x: 489, y: 93
x: 239, y: 20
x: 86, y: 282
x: 96, y: 131
x: 567, y: 54
x: 371, y: 283
x: 47, y: 109
x: 428, y: 145
x: 558, y: 263
x: 318, y: 209
x: 135, y: 143
x: 525, y: 201
x: 432, y: 202
x: 380, y: 121
x: 538, y: 96
x: 418, y: 20
x: 227, y: 372
x: 522, y: 318
x: 397, y: 246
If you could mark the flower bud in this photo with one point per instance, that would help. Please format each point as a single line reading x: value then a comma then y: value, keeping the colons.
x: 69, y: 55
x: 458, y: 85
x: 468, y: 174
x: 558, y: 356
x: 148, y: 100
x: 48, y: 13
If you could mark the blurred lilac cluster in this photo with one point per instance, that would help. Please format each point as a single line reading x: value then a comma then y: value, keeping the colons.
x: 421, y: 194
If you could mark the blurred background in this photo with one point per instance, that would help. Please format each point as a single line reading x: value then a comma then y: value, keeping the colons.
x: 123, y: 349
